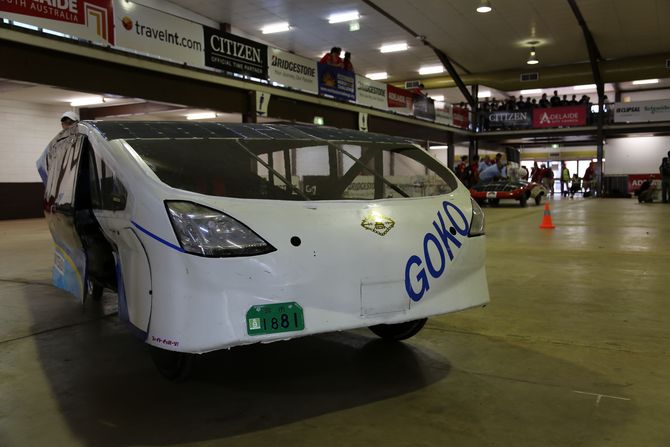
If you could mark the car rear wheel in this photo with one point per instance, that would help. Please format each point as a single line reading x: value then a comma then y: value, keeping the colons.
x: 538, y: 199
x: 523, y: 200
x: 399, y: 331
x: 175, y: 366
x: 494, y: 202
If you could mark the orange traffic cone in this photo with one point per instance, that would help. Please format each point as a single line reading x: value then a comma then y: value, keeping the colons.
x: 546, y: 219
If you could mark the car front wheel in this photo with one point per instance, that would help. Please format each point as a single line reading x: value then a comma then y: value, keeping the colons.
x: 175, y: 366
x: 538, y: 199
x: 398, y: 331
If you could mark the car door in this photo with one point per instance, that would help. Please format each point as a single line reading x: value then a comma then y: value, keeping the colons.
x: 63, y: 159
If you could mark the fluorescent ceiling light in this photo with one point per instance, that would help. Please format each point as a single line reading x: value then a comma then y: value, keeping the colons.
x: 531, y: 91
x: 484, y: 6
x: 377, y: 76
x: 344, y: 17
x: 87, y: 101
x: 392, y: 47
x: 439, y: 147
x: 354, y: 26
x: 276, y: 28
x: 439, y: 105
x: 645, y: 81
x: 436, y: 97
x: 584, y: 87
x: 484, y: 94
x: 431, y: 69
x: 201, y: 116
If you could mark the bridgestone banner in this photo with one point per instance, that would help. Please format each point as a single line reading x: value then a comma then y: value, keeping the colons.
x: 235, y: 54
x: 292, y: 71
x: 569, y: 116
x: 87, y: 19
x: 337, y: 82
x: 370, y: 93
x: 158, y: 34
x: 501, y: 119
x: 642, y: 111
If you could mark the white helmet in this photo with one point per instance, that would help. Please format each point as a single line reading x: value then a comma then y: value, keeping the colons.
x: 70, y: 115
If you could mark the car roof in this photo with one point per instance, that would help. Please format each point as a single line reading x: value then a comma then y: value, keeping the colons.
x: 129, y: 130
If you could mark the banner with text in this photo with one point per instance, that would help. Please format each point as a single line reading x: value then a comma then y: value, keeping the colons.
x: 636, y: 180
x: 400, y: 99
x: 461, y: 117
x: 292, y: 71
x: 445, y: 116
x: 86, y: 19
x: 370, y: 93
x: 235, y: 54
x: 569, y: 116
x: 423, y: 107
x: 514, y: 120
x: 642, y: 111
x: 158, y: 34
x: 337, y: 82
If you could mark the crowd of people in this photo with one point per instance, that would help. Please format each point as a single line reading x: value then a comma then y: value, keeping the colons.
x: 333, y: 58
x: 512, y: 104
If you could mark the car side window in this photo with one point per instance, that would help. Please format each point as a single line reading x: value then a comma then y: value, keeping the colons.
x: 107, y: 191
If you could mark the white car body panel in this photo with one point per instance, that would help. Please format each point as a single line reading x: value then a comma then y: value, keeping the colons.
x: 342, y: 274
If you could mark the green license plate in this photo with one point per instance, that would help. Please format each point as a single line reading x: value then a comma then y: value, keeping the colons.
x: 274, y: 318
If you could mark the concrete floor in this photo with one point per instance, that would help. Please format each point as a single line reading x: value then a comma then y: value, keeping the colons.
x: 572, y: 351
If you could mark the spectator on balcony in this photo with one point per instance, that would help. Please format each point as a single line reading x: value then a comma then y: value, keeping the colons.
x: 533, y: 103
x: 584, y: 100
x: 346, y: 63
x: 564, y: 101
x: 573, y: 101
x: 520, y: 105
x: 333, y: 58
x: 544, y: 102
x: 555, y: 100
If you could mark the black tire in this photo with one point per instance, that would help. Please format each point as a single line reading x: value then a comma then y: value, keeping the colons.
x: 523, y: 200
x: 494, y: 202
x: 399, y: 331
x: 175, y: 366
x: 93, y: 290
x: 538, y: 199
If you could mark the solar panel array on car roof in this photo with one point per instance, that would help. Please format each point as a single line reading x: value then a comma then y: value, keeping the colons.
x: 127, y: 130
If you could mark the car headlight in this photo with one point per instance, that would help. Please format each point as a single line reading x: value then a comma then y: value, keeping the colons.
x: 477, y: 223
x: 207, y: 232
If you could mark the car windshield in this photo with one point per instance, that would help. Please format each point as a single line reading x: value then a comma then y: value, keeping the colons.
x: 295, y: 169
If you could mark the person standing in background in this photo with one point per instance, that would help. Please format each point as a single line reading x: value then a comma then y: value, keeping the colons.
x: 665, y: 178
x: 565, y: 180
x: 333, y: 58
x: 347, y: 62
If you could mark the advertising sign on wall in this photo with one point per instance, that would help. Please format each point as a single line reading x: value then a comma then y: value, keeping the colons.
x: 370, y: 93
x: 461, y: 117
x: 235, y: 54
x: 423, y: 107
x: 337, y: 82
x: 158, y: 34
x: 445, y: 116
x: 292, y: 71
x: 517, y: 120
x: 86, y: 19
x: 636, y: 180
x: 642, y: 111
x: 559, y: 116
x: 400, y: 99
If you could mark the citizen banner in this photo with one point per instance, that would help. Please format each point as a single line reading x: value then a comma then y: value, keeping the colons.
x: 423, y: 107
x: 158, y: 34
x: 86, y: 19
x: 370, y: 93
x: 642, y: 111
x: 569, y: 116
x: 400, y: 99
x: 292, y: 71
x: 235, y: 54
x: 337, y: 82
x: 509, y: 120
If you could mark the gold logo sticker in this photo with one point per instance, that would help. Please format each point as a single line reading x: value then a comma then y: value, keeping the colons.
x: 378, y: 224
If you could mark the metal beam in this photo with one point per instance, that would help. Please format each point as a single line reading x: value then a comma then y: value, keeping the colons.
x: 446, y: 61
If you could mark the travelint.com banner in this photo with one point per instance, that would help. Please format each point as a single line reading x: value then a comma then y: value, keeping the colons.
x: 235, y: 54
x: 86, y: 19
x: 158, y: 34
x: 292, y: 71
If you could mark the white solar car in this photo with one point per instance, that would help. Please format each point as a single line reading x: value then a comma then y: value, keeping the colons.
x: 217, y: 235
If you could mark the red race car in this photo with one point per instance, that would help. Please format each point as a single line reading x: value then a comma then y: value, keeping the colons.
x: 493, y: 192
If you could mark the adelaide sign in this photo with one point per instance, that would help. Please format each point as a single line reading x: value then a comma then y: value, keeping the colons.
x: 569, y: 116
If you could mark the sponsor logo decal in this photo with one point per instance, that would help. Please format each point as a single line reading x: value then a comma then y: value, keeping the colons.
x: 378, y: 224
x: 437, y: 246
